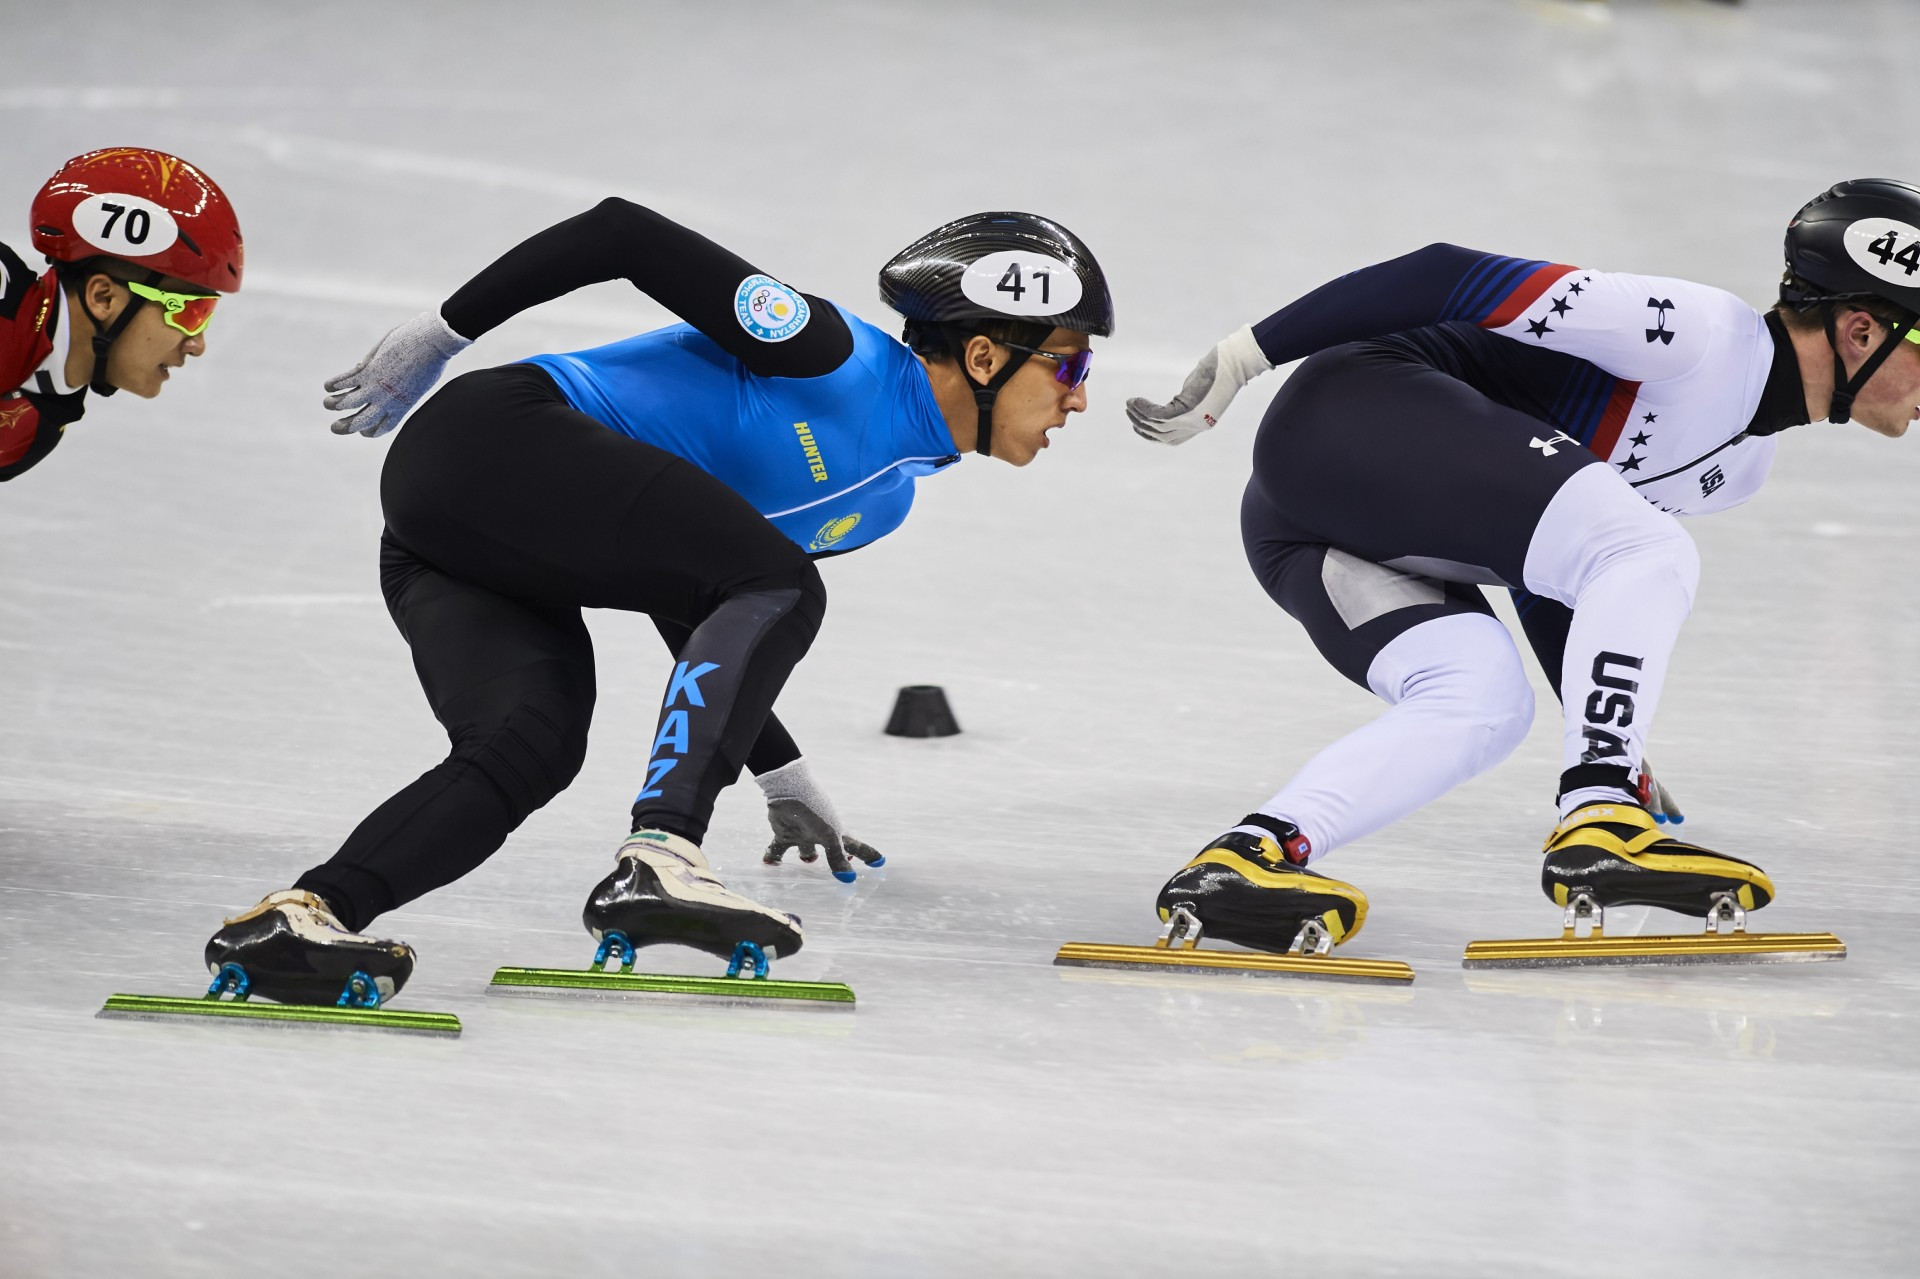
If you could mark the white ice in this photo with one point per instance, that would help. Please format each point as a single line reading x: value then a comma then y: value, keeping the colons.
x: 202, y: 693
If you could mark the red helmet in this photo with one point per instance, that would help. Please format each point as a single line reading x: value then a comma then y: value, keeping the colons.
x: 145, y: 207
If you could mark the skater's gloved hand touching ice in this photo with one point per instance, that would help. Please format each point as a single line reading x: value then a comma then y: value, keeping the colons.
x: 1207, y: 392
x: 803, y: 819
x: 402, y: 367
x: 1657, y: 798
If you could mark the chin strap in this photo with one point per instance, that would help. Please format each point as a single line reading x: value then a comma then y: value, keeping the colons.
x: 984, y: 394
x: 1845, y: 388
x: 103, y: 339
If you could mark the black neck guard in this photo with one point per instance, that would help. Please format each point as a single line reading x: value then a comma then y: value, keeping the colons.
x: 1783, y: 401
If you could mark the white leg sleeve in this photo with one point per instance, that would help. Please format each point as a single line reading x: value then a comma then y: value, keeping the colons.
x: 1629, y: 573
x: 1460, y: 704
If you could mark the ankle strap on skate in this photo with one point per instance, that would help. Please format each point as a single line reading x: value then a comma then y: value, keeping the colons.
x: 1584, y: 776
x: 1293, y: 845
x: 1588, y: 825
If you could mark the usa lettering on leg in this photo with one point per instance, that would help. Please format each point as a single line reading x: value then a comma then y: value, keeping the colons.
x: 675, y: 727
x: 1606, y: 708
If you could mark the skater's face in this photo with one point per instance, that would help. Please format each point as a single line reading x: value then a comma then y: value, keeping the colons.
x: 1035, y: 399
x: 1890, y: 401
x: 148, y: 349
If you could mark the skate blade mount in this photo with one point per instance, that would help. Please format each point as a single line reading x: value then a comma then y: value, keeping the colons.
x: 1725, y: 941
x: 746, y: 981
x: 1178, y: 950
x: 358, y: 1008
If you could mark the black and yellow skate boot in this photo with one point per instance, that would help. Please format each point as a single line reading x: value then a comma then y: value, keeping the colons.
x: 291, y: 949
x: 1618, y: 856
x: 1256, y: 891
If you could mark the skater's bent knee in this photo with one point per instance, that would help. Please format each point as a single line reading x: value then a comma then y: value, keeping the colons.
x: 1598, y: 528
x: 532, y: 752
x: 1462, y: 668
x: 1505, y: 717
x: 1493, y: 700
x: 799, y: 590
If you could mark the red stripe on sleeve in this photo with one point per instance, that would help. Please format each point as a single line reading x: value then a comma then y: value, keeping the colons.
x: 1614, y: 420
x: 1525, y: 294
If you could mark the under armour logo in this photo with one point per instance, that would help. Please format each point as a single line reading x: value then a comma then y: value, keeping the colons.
x: 1551, y: 446
x: 1661, y: 334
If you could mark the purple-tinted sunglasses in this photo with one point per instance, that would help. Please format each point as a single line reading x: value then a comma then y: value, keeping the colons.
x: 1072, y: 369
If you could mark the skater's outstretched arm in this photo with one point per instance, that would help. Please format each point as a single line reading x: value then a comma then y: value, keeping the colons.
x: 690, y: 275
x: 717, y: 292
x: 1638, y: 328
x: 1433, y: 285
x: 1439, y: 282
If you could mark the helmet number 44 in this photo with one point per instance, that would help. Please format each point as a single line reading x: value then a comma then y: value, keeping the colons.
x: 1885, y: 248
x: 1908, y: 258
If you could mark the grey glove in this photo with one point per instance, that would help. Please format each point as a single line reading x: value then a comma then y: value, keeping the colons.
x: 402, y: 367
x: 1658, y: 799
x: 1207, y: 392
x: 803, y: 819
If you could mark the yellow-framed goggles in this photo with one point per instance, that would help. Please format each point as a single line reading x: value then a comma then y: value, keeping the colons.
x: 188, y: 312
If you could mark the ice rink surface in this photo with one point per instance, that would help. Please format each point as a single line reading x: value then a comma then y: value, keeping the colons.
x: 203, y: 693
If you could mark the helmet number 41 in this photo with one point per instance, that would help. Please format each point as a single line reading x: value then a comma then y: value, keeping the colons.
x: 1021, y: 282
x: 1042, y: 279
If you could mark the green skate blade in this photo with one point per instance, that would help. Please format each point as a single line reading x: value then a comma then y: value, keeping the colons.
x: 1083, y: 954
x: 1687, y: 948
x: 594, y: 984
x: 175, y: 1008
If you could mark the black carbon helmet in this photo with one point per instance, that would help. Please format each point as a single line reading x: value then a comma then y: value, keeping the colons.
x: 1860, y: 239
x: 1000, y: 266
x: 996, y: 269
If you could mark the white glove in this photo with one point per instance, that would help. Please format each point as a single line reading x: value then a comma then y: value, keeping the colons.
x: 803, y: 819
x: 401, y: 368
x: 1208, y: 390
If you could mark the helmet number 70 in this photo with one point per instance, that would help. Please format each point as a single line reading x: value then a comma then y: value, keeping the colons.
x: 136, y: 219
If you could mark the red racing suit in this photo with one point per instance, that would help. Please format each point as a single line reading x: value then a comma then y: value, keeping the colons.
x: 34, y: 410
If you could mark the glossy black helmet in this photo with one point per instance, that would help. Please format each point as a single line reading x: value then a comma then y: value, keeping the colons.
x: 1000, y: 266
x: 1859, y: 239
x: 1018, y: 275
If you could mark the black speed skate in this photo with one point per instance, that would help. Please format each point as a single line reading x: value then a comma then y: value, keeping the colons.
x: 291, y: 949
x: 1246, y: 889
x: 1616, y: 855
x: 662, y: 890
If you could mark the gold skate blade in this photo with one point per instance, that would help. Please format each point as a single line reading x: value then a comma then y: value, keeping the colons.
x: 1686, y: 948
x: 1084, y: 954
x: 177, y: 1008
x: 593, y: 984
